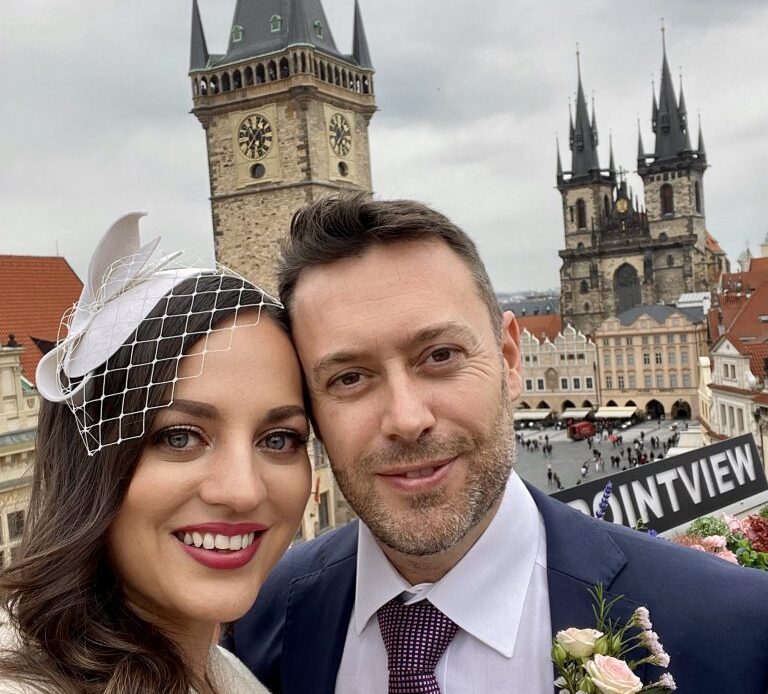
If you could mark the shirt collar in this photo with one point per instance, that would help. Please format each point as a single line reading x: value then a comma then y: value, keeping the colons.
x: 498, y: 568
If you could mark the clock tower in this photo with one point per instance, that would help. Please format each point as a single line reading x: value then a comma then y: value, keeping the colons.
x: 286, y: 116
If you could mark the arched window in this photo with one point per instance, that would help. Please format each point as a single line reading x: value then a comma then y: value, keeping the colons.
x: 248, y: 76
x: 317, y: 69
x: 275, y: 23
x: 336, y: 76
x: 226, y: 85
x: 606, y: 205
x: 663, y: 236
x: 203, y: 86
x: 670, y: 260
x: 580, y: 246
x: 195, y: 87
x: 366, y: 86
x: 626, y: 288
x: 285, y: 68
x: 237, y: 33
x: 697, y: 195
x: 344, y: 79
x: 237, y: 80
x: 261, y: 74
x: 214, y: 85
x: 272, y: 70
x: 667, y: 199
x: 586, y: 308
x: 357, y: 84
x: 581, y: 214
x: 584, y: 288
x: 303, y: 62
x: 295, y: 63
x: 322, y: 71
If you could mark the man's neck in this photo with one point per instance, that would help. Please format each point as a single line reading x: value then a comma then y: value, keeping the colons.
x: 430, y: 568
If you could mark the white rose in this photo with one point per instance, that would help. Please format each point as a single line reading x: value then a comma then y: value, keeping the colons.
x: 613, y: 676
x: 578, y: 643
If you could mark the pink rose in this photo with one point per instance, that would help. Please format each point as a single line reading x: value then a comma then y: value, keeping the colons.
x: 728, y: 556
x: 613, y: 676
x: 734, y: 524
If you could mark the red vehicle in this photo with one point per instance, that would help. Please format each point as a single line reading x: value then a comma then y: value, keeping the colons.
x: 581, y: 430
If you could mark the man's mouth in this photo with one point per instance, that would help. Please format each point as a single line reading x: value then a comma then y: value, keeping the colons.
x: 418, y: 477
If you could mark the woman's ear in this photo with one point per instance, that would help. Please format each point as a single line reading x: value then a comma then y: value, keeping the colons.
x: 510, y: 350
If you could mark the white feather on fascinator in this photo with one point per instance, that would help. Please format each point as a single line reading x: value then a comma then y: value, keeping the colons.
x: 123, y: 286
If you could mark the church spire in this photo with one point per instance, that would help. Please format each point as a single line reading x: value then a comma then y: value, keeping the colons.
x: 198, y: 52
x: 640, y: 148
x: 360, y: 50
x: 583, y: 134
x: 669, y: 125
x: 298, y: 29
x: 611, y: 161
x: 559, y: 162
x: 702, y: 153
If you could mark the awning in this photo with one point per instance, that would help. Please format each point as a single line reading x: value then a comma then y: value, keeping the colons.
x: 530, y: 415
x: 615, y: 412
x: 575, y: 413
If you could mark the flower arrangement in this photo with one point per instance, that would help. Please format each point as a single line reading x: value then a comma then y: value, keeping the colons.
x: 743, y: 542
x: 603, y: 660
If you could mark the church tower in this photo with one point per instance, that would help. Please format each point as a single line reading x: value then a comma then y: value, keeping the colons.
x: 286, y: 117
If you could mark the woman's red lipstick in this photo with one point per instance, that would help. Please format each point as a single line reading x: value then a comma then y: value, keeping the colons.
x: 221, y: 545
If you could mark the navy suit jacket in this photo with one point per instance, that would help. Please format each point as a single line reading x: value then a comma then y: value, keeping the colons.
x: 711, y: 616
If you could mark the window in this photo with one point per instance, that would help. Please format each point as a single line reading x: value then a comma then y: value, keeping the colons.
x: 725, y: 370
x: 722, y: 415
x: 318, y: 29
x: 608, y: 382
x: 563, y: 384
x: 731, y: 423
x: 619, y: 359
x: 628, y: 341
x: 659, y: 380
x: 683, y: 337
x: 276, y: 23
x: 671, y: 358
x: 581, y: 214
x: 670, y: 260
x: 667, y: 199
x: 697, y: 195
x: 607, y: 359
x: 630, y: 358
x: 323, y: 517
x: 617, y: 341
x: 733, y: 372
x: 621, y: 381
x: 673, y: 380
x: 671, y: 338
x: 645, y: 339
x: 589, y: 383
x: 686, y: 380
x: 577, y: 384
x: 570, y: 209
x: 15, y: 525
x: 534, y: 358
x: 540, y: 383
x: 632, y: 381
x: 740, y: 419
x: 580, y: 356
x: 562, y: 357
x: 646, y: 358
x: 683, y: 356
x: 529, y: 384
x: 237, y: 33
x: 657, y: 358
x: 527, y: 358
x: 606, y: 342
x: 584, y: 289
x: 647, y: 380
x: 571, y: 357
x: 657, y: 339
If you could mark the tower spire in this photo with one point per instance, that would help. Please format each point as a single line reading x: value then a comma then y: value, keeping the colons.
x: 298, y: 29
x: 640, y: 148
x: 583, y: 132
x: 700, y: 148
x: 360, y: 50
x: 611, y: 162
x: 559, y: 161
x: 198, y: 50
x: 670, y: 126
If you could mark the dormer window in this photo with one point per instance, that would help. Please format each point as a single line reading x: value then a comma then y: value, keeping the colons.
x: 276, y: 23
x: 237, y: 33
x: 318, y: 28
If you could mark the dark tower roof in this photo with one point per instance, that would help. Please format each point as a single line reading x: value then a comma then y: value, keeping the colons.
x: 700, y: 148
x: 260, y: 27
x: 583, y: 135
x: 360, y: 51
x: 559, y: 162
x: 198, y: 52
x: 640, y: 148
x: 670, y: 124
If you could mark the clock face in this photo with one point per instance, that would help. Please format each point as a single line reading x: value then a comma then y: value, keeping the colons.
x: 340, y: 135
x: 622, y: 205
x: 254, y: 136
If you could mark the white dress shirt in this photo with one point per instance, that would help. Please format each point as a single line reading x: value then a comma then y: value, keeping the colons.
x: 497, y: 595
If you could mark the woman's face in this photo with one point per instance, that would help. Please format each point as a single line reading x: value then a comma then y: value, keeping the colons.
x: 221, y: 484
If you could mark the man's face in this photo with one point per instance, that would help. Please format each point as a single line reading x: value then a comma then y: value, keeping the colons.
x: 411, y: 390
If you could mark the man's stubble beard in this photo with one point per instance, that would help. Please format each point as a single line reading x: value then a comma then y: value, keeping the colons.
x: 435, y: 521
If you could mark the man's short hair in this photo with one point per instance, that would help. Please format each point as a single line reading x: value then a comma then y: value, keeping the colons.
x: 346, y: 226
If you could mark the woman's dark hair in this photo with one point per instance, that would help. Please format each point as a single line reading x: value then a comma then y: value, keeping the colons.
x: 76, y: 633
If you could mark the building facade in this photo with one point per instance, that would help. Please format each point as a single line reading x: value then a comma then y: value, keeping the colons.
x: 648, y: 357
x: 558, y: 374
x: 286, y: 116
x: 19, y: 405
x: 623, y: 251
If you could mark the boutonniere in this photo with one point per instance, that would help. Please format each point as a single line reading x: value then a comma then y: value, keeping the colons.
x: 603, y: 660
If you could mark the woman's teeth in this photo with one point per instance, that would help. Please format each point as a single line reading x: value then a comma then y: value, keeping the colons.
x: 230, y: 543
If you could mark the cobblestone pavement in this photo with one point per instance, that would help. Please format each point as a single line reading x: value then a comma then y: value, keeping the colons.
x: 568, y: 456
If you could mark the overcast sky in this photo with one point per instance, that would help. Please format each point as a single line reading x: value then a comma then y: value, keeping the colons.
x: 95, y: 115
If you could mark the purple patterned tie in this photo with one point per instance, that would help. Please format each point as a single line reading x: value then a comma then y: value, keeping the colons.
x: 415, y: 637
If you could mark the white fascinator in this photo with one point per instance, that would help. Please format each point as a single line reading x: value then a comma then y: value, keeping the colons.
x: 127, y: 282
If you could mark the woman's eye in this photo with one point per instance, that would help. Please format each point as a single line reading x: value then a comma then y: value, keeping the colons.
x: 282, y: 441
x: 180, y: 439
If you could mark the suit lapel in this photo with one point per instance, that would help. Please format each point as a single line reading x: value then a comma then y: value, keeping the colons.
x: 580, y: 555
x: 317, y: 617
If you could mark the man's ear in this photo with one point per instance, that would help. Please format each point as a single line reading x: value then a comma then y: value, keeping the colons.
x: 510, y: 350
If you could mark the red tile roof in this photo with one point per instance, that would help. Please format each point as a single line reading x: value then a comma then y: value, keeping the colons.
x: 541, y: 326
x: 713, y: 245
x: 34, y: 293
x: 748, y: 330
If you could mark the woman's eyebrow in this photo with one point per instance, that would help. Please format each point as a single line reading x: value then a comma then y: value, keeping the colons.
x: 194, y: 408
x: 280, y: 414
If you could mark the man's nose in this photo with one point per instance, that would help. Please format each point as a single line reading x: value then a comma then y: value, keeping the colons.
x: 407, y: 412
x: 234, y: 477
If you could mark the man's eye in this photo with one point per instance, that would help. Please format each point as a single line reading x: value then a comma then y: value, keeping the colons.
x: 348, y: 379
x: 441, y: 354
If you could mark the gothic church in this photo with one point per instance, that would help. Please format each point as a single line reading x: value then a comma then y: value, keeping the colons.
x: 620, y: 251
